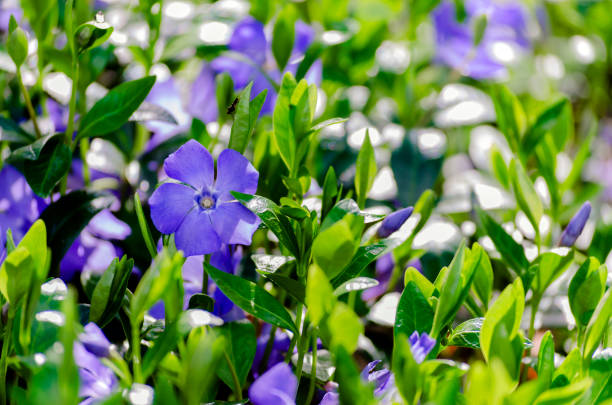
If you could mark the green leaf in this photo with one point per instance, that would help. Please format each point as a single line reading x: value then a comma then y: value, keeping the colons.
x: 330, y: 192
x: 241, y: 128
x: 344, y: 327
x: 366, y: 170
x: 413, y: 312
x: 16, y: 276
x: 90, y: 35
x: 512, y: 253
x: 424, y: 285
x: 320, y: 298
x: 49, y: 168
x: 507, y: 310
x: 66, y: 218
x: 31, y: 151
x: 480, y: 25
x: 362, y: 258
x: 580, y: 159
x: 546, y: 359
x: 270, y: 215
x: 35, y: 241
x: 224, y: 92
x: 544, y: 123
x: 241, y: 345
x: 17, y: 44
x: 351, y: 387
x: 525, y: 193
x: 565, y: 395
x: 283, y: 35
x: 406, y: 370
x: 585, y: 290
x: 600, y: 370
x: 284, y: 137
x: 108, y: 294
x: 597, y: 325
x: 549, y: 267
x: 252, y: 298
x: 510, y: 115
x: 334, y: 247
x: 355, y: 284
x: 483, y: 276
x: 500, y: 170
x: 467, y: 334
x: 115, y: 108
x: 12, y: 132
x: 278, y: 269
x: 201, y: 301
x: 324, y: 369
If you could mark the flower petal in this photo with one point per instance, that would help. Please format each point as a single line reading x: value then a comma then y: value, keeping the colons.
x: 105, y: 225
x: 235, y: 173
x: 202, y: 91
x: 170, y: 203
x: 249, y: 39
x: 191, y: 164
x: 276, y: 386
x: 234, y: 223
x: 196, y: 235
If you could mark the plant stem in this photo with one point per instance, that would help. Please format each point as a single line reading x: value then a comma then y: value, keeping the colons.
x: 237, y: 386
x: 205, y: 274
x: 294, y: 339
x: 136, y: 361
x: 302, y: 346
x: 313, y: 370
x: 28, y: 102
x: 6, y: 342
x: 144, y: 229
x: 72, y: 105
x: 84, y: 148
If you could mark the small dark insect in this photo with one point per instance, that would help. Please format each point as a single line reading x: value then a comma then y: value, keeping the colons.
x: 232, y: 108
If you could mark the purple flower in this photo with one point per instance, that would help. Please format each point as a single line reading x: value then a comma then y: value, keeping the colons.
x: 19, y: 206
x: 384, y: 271
x: 276, y: 386
x: 277, y: 354
x: 421, y: 345
x: 250, y: 59
x: 94, y: 341
x: 92, y: 249
x: 576, y: 225
x: 166, y: 94
x: 393, y: 222
x: 200, y: 210
x: 96, y: 380
x: 505, y: 31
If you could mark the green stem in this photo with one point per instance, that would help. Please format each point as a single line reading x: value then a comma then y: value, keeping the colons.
x: 136, y: 360
x: 313, y: 370
x: 144, y: 229
x: 205, y: 275
x: 72, y: 105
x: 8, y: 332
x: 302, y: 346
x: 237, y: 386
x: 351, y: 299
x: 534, y: 308
x: 28, y: 102
x: 268, y: 350
x: 84, y: 148
x: 294, y: 339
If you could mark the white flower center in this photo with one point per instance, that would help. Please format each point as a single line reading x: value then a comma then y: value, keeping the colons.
x: 206, y: 202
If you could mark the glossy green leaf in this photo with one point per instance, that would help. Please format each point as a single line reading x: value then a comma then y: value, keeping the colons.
x: 512, y: 253
x: 49, y: 168
x: 252, y: 298
x: 115, y: 108
x: 320, y: 298
x: 546, y: 359
x: 333, y: 248
x: 108, y: 295
x: 362, y: 258
x: 483, y: 276
x: 597, y: 325
x: 365, y: 170
x: 549, y: 267
x: 240, y: 348
x: 467, y: 334
x: 283, y: 35
x: 424, y: 285
x: 284, y: 137
x: 355, y: 284
x: 10, y: 131
x: 585, y: 290
x: 413, y: 312
x: 90, y: 35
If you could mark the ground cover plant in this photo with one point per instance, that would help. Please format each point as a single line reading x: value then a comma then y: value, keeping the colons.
x: 305, y: 202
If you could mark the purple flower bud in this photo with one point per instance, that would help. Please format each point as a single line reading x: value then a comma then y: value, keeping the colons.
x: 421, y: 345
x: 576, y: 225
x: 393, y: 222
x: 276, y: 386
x: 94, y: 341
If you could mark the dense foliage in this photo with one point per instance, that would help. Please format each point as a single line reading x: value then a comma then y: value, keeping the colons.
x: 308, y: 202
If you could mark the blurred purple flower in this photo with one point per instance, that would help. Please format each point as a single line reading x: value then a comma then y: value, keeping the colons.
x: 93, y: 250
x: 166, y: 94
x: 94, y: 341
x: 19, y: 206
x: 575, y: 226
x: 96, y: 380
x: 227, y: 260
x: 506, y: 30
x: 384, y: 271
x: 393, y: 222
x: 250, y: 59
x: 277, y: 354
x: 6, y: 10
x: 421, y: 345
x: 276, y: 386
x: 200, y: 210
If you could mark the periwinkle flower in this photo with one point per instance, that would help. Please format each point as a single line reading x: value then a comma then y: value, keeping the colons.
x: 384, y: 271
x: 280, y: 346
x: 250, y: 59
x: 421, y: 345
x: 94, y: 341
x: 575, y: 226
x: 200, y: 210
x: 93, y: 250
x: 505, y: 33
x: 276, y: 386
x: 96, y: 380
x: 393, y: 222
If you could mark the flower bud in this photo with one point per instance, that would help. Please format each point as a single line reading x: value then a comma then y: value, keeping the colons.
x: 393, y: 222
x: 576, y: 225
x: 17, y: 43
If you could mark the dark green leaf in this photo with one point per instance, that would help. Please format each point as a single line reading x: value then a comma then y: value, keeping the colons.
x: 355, y: 284
x: 201, y: 301
x: 585, y: 290
x: 90, y: 35
x: 241, y: 128
x: 366, y: 170
x: 115, y: 108
x: 512, y: 252
x: 49, y: 168
x: 362, y: 258
x: 283, y: 135
x: 252, y: 298
x: 283, y: 36
x: 240, y: 347
x: 413, y: 312
x: 544, y: 123
x: 11, y: 132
